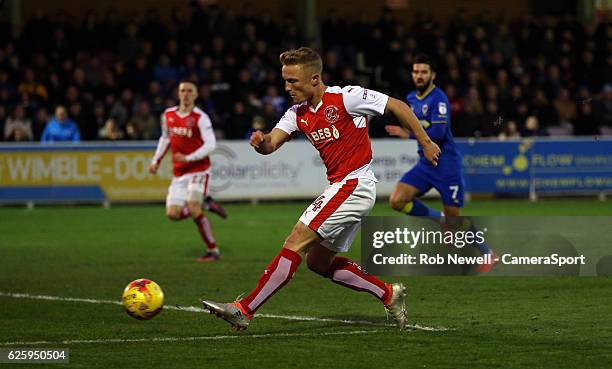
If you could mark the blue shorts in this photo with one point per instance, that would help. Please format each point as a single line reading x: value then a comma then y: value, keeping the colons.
x: 448, y: 183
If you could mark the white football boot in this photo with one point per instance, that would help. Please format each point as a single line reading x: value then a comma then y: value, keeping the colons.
x: 396, y: 307
x: 230, y: 312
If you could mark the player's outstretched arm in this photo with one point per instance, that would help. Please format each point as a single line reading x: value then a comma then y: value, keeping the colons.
x: 162, y: 146
x: 409, y: 121
x: 397, y: 131
x: 268, y: 143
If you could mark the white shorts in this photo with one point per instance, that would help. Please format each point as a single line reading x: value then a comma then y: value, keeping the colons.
x: 188, y: 187
x: 336, y: 215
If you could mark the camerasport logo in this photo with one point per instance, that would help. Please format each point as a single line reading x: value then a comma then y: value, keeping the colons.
x: 331, y: 114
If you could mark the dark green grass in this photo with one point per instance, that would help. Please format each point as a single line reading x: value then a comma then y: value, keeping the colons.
x: 90, y: 252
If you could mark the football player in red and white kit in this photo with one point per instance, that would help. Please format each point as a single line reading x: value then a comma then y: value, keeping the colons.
x: 188, y: 132
x: 335, y: 120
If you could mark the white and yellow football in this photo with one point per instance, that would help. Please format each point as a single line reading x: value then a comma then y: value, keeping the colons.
x: 143, y: 299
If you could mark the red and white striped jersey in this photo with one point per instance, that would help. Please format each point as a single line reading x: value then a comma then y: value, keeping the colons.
x: 338, y: 128
x: 190, y: 134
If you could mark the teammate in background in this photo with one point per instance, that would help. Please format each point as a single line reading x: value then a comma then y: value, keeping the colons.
x: 430, y: 105
x: 188, y: 132
x: 335, y: 120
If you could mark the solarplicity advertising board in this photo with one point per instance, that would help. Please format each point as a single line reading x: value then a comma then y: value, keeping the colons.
x: 117, y: 172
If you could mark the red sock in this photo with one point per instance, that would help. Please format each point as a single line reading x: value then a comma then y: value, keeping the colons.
x: 349, y: 274
x: 277, y: 274
x: 205, y: 230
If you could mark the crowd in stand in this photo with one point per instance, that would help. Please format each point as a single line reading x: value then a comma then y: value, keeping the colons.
x: 106, y: 77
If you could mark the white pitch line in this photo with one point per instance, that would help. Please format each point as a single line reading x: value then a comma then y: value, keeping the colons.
x: 196, y: 338
x: 194, y: 309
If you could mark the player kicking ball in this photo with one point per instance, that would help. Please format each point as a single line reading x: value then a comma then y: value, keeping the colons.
x: 188, y: 132
x: 335, y: 120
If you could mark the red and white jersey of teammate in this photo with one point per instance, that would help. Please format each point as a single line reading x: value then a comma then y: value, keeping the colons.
x: 190, y: 134
x: 338, y: 128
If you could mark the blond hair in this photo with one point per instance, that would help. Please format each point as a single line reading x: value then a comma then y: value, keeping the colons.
x: 304, y: 56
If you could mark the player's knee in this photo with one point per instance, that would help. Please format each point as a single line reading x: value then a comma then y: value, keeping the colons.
x: 397, y: 202
x: 173, y: 215
x: 195, y: 209
x: 452, y: 211
x: 301, y: 239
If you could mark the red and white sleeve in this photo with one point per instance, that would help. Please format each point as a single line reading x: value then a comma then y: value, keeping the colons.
x: 288, y: 121
x: 208, y: 136
x: 163, y: 143
x: 360, y: 101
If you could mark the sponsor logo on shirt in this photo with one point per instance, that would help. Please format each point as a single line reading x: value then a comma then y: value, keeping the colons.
x: 324, y: 134
x: 442, y: 108
x: 181, y: 131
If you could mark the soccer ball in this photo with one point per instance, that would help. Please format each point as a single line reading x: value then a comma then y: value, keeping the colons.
x: 143, y: 299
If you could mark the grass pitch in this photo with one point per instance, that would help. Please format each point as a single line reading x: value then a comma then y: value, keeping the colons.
x: 92, y: 253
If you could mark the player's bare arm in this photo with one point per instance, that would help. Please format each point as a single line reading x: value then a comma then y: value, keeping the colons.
x: 268, y: 143
x: 409, y: 121
x: 397, y: 131
x: 179, y: 158
x: 153, y: 168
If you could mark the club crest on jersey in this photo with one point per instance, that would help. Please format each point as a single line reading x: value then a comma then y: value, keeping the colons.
x: 424, y: 109
x: 189, y: 121
x: 331, y: 114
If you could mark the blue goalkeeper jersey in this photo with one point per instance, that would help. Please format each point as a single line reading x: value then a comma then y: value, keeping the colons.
x: 433, y: 111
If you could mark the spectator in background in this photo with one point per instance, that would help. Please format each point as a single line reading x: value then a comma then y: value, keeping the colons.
x: 164, y: 72
x: 585, y: 124
x: 234, y: 59
x: 18, y: 135
x: 565, y: 107
x: 130, y: 45
x: 456, y: 102
x: 84, y: 119
x: 3, y: 117
x: 18, y: 122
x: 509, y: 131
x: 257, y: 124
x: 41, y: 117
x: 122, y: 109
x: 490, y: 120
x: 61, y: 128
x: 131, y: 131
x: 238, y: 123
x: 98, y: 117
x: 31, y: 86
x: 273, y: 98
x: 546, y: 113
x: 144, y: 126
x: 602, y: 107
x: 156, y: 98
x: 532, y: 127
x: 111, y: 131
